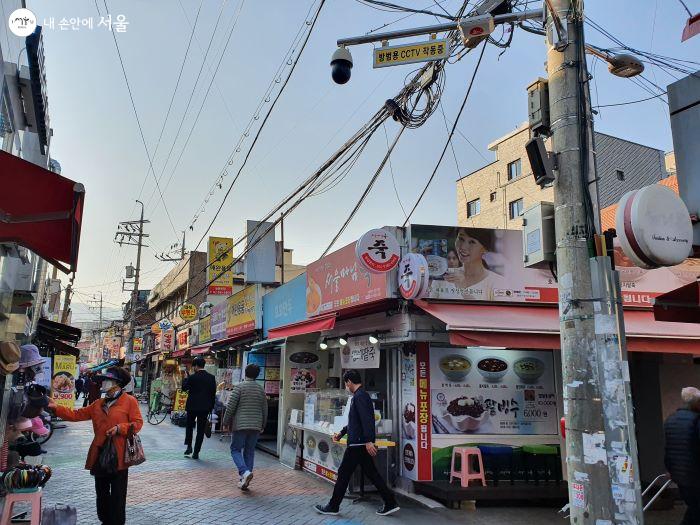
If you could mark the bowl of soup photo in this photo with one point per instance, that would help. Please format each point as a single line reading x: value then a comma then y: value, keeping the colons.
x: 455, y: 367
x: 528, y: 369
x: 492, y: 368
x: 313, y: 298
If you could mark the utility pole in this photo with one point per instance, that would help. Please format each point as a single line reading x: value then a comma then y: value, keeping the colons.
x: 99, y: 329
x: 66, y: 300
x: 168, y: 258
x: 131, y: 233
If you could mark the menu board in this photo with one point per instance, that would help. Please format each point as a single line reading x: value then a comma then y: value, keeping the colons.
x: 269, y: 376
x: 486, y: 391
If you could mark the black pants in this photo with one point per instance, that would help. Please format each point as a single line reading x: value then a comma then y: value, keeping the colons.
x: 353, y: 458
x: 691, y: 496
x: 201, y: 418
x: 111, y: 497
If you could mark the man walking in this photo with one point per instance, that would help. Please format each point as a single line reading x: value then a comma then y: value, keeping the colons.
x: 247, y: 410
x: 201, y: 396
x: 682, y: 456
x: 360, y: 450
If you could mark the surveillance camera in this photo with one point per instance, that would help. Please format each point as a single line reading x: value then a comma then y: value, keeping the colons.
x: 341, y: 65
x: 625, y: 66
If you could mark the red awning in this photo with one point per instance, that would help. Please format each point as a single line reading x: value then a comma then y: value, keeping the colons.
x: 513, y: 326
x: 201, y: 349
x: 41, y: 211
x: 180, y: 353
x: 317, y: 324
x: 681, y: 305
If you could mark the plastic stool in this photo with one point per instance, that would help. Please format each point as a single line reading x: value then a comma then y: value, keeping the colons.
x: 466, y: 474
x: 33, y: 498
x: 541, y: 454
x: 496, y: 456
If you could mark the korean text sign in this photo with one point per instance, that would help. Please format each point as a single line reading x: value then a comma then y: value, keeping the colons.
x: 205, y: 329
x: 242, y: 315
x: 339, y: 281
x: 284, y: 305
x: 65, y: 370
x: 220, y: 259
x: 359, y: 353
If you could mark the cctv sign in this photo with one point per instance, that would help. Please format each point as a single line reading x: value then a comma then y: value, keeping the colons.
x: 429, y: 51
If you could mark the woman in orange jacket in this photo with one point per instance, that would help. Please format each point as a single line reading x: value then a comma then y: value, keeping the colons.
x: 113, y: 416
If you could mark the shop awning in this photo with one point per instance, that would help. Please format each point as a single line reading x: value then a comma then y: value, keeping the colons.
x: 515, y: 326
x: 216, y: 345
x: 50, y: 331
x: 180, y: 353
x: 317, y: 324
x: 681, y: 305
x: 201, y: 349
x: 65, y: 349
x: 41, y: 211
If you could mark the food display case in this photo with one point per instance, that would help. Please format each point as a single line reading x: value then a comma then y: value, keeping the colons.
x: 324, y: 414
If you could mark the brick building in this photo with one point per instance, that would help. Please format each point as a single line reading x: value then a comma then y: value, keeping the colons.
x: 496, y: 195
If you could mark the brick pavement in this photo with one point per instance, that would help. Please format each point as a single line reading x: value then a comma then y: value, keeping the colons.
x: 169, y: 489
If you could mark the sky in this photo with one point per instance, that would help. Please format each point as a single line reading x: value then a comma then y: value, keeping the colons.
x: 97, y: 140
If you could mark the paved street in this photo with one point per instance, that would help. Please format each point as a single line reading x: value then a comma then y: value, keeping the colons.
x: 170, y: 489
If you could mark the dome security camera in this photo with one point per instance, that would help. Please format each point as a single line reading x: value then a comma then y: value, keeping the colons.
x: 341, y: 65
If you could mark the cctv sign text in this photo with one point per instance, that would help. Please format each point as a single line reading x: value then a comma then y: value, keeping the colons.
x: 411, y: 53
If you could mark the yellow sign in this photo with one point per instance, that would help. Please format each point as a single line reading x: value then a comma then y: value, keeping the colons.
x: 204, y: 329
x: 65, y: 370
x: 411, y: 53
x: 180, y: 401
x: 138, y: 345
x: 188, y: 312
x: 242, y: 311
x: 155, y: 328
x: 219, y: 272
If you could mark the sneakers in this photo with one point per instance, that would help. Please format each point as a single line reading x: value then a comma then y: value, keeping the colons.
x: 325, y: 509
x: 195, y: 455
x: 388, y: 509
x: 246, y: 478
x: 240, y: 486
x: 188, y: 451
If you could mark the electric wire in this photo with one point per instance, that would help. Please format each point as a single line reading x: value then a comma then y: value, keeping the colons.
x: 391, y: 170
x: 627, y: 103
x: 389, y: 7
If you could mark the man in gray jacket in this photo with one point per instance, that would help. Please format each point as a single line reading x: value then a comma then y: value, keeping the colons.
x: 247, y: 411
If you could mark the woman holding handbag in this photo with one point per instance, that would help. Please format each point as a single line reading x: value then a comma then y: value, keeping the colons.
x: 115, y: 419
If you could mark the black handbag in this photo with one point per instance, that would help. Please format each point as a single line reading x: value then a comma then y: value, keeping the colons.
x: 107, y: 461
x: 207, y: 427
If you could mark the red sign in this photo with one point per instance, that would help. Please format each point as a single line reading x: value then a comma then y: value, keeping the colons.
x: 167, y: 340
x: 339, y: 281
x: 425, y: 456
x: 183, y: 339
x: 320, y: 471
x: 378, y: 250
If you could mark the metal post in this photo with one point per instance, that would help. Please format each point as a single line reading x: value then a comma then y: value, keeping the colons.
x: 282, y: 234
x: 587, y: 471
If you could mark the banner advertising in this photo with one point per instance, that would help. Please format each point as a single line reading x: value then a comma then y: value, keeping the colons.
x: 242, y: 311
x: 167, y: 340
x: 204, y: 330
x: 180, y: 401
x: 285, y: 305
x: 409, y: 428
x: 485, y: 391
x: 424, y: 427
x: 183, y: 339
x: 44, y: 377
x: 359, y: 353
x: 138, y: 345
x: 220, y: 257
x: 65, y: 370
x: 479, y: 264
x: 218, y: 321
x: 339, y: 281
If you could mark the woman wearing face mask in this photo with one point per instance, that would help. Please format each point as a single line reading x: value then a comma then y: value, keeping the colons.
x: 113, y: 415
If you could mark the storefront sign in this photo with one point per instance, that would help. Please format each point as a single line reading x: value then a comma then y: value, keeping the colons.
x: 65, y: 370
x: 378, y: 250
x: 44, y: 377
x: 285, y: 305
x: 493, y: 392
x: 409, y: 426
x: 413, y: 276
x: 112, y: 346
x: 138, y: 345
x: 204, y: 330
x: 243, y: 312
x: 359, y: 353
x: 424, y: 424
x: 183, y: 339
x: 218, y: 321
x: 301, y: 379
x: 167, y: 340
x: 339, y: 281
x: 219, y: 272
x: 155, y: 328
x: 188, y: 312
x: 180, y: 401
x: 654, y: 227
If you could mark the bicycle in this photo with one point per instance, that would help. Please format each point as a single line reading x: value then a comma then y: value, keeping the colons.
x: 159, y: 409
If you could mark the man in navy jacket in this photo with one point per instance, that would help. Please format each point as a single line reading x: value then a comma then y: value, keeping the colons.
x: 360, y: 450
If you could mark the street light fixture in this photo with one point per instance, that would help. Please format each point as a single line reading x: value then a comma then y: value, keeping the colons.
x: 622, y: 65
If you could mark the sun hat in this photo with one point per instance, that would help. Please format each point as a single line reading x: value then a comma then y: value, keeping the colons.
x: 30, y: 356
x: 38, y: 427
x: 121, y: 376
x: 9, y: 357
x: 37, y: 395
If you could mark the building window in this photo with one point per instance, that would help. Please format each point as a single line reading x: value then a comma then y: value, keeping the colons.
x: 492, y: 197
x: 515, y: 208
x: 620, y: 174
x: 473, y: 207
x: 514, y: 169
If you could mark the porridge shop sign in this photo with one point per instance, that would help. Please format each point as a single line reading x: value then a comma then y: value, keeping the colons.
x: 359, y: 353
x: 378, y: 250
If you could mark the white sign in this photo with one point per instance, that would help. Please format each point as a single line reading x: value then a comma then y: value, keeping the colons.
x: 22, y: 22
x: 378, y: 251
x: 359, y: 353
x: 488, y: 391
x: 654, y: 227
x: 413, y: 276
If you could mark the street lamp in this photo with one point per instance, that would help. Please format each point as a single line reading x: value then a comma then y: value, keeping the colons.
x: 622, y: 65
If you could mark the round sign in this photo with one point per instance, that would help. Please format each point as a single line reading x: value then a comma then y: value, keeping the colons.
x: 155, y: 328
x: 188, y: 312
x: 654, y: 227
x: 378, y: 251
x: 413, y: 276
x: 22, y: 22
x: 409, y: 457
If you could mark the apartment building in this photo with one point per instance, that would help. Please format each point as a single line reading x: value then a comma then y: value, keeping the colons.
x: 496, y: 195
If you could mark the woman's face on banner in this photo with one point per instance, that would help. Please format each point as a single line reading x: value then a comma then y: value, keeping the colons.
x: 452, y: 259
x: 468, y: 249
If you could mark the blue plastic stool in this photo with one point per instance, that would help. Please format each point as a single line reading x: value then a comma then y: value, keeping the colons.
x: 497, y: 456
